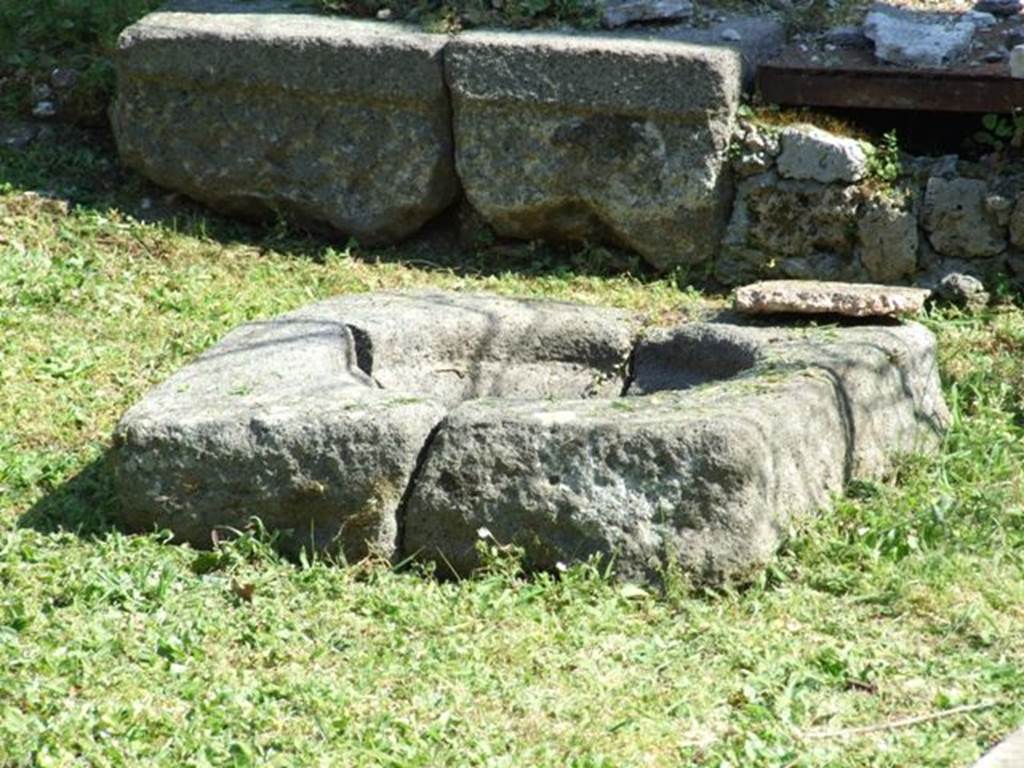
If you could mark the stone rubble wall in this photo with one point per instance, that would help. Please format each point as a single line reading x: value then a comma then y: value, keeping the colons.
x: 806, y: 207
x: 375, y: 129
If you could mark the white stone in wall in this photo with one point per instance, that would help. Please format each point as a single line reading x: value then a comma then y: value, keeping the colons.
x: 813, y: 154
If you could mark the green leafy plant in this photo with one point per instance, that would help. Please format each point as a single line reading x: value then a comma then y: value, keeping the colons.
x: 1001, y: 133
x: 884, y: 163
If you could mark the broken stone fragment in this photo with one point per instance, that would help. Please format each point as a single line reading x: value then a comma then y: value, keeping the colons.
x: 619, y: 13
x: 791, y: 218
x: 44, y: 110
x: 915, y: 38
x: 64, y: 78
x: 757, y: 151
x: 544, y: 151
x: 810, y: 153
x: 810, y: 297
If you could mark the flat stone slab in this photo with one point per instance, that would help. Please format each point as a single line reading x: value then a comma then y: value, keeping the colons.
x: 813, y: 297
x: 259, y: 108
x: 587, y: 138
x: 405, y: 423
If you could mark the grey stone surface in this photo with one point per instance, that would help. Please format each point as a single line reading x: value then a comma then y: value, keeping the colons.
x: 452, y: 347
x: 809, y: 153
x: 888, y: 240
x: 815, y: 297
x: 755, y: 37
x: 590, y: 138
x: 846, y: 36
x: 915, y: 38
x: 693, y: 470
x: 619, y: 13
x: 315, y: 421
x: 957, y: 220
x: 1016, y: 222
x: 258, y: 107
x: 787, y: 218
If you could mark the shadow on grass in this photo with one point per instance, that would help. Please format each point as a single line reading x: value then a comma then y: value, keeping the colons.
x: 81, y: 168
x: 84, y: 504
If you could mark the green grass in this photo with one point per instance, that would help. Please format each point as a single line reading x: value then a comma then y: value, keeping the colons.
x: 908, y: 599
x: 38, y: 35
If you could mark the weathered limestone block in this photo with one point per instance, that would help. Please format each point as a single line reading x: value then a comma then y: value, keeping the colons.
x: 314, y: 421
x: 887, y: 232
x: 957, y: 220
x: 813, y: 297
x: 693, y: 470
x: 277, y: 421
x: 584, y: 138
x: 784, y: 217
x: 403, y: 423
x: 255, y: 107
x: 809, y: 153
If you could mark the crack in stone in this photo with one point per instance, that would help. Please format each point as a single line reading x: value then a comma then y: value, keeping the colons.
x: 403, y: 504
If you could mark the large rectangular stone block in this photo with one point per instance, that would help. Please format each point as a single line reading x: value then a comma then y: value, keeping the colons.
x: 256, y: 106
x: 593, y: 138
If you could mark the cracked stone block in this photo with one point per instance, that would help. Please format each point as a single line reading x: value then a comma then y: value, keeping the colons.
x: 260, y: 108
x: 402, y: 424
x: 314, y: 421
x: 728, y: 434
x: 599, y: 139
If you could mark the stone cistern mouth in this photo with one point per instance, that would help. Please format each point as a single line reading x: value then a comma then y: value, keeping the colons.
x: 404, y: 423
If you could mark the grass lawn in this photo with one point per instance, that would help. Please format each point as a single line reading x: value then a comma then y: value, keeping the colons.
x: 906, y: 601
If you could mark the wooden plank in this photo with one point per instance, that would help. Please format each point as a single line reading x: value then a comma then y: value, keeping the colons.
x: 890, y: 88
